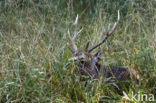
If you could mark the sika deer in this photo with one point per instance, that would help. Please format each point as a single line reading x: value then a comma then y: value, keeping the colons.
x: 88, y: 63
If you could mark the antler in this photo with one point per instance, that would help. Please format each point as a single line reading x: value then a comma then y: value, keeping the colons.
x: 76, y: 33
x: 107, y: 35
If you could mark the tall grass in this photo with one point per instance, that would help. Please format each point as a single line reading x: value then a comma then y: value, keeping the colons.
x: 34, y: 48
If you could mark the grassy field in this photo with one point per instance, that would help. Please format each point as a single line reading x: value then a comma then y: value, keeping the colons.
x: 34, y: 48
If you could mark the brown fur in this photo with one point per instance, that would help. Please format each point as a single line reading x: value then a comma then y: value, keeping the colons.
x: 97, y: 70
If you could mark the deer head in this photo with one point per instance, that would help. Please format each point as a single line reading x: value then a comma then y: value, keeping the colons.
x: 77, y: 55
x: 88, y: 63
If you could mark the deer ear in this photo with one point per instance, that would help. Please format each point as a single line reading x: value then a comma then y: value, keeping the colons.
x: 98, y: 55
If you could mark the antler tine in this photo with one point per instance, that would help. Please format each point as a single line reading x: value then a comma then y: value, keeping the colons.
x: 115, y: 25
x: 76, y: 33
x: 107, y: 35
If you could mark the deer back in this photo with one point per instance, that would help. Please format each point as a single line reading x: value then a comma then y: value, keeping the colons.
x: 96, y: 70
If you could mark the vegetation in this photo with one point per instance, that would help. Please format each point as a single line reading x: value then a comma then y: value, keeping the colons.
x: 34, y: 49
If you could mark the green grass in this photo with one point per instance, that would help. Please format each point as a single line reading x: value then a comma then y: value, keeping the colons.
x: 34, y: 48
